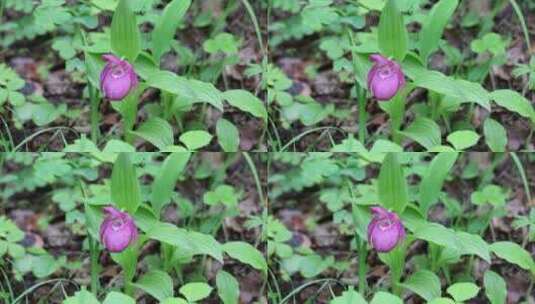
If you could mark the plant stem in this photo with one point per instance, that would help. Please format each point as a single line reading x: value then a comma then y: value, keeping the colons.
x: 95, y: 113
x: 361, y: 95
x: 93, y: 251
x: 363, y: 267
x: 2, y: 5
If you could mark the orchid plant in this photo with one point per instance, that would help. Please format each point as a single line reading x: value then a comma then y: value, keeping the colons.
x: 358, y: 60
x: 119, y: 235
x: 383, y: 207
x: 130, y: 69
x: 134, y: 213
x: 445, y: 92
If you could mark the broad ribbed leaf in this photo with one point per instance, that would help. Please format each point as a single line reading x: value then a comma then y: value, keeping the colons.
x: 165, y: 28
x: 514, y: 253
x: 188, y: 90
x: 392, y: 185
x: 125, y: 191
x: 228, y: 288
x: 473, y: 244
x: 463, y: 291
x: 434, y: 178
x: 195, y: 291
x: 156, y: 283
x: 424, y: 283
x: 246, y: 102
x: 462, y: 90
x: 118, y: 298
x: 424, y: 131
x: 495, y: 135
x: 246, y: 253
x: 349, y: 297
x: 193, y: 242
x: 393, y: 35
x: 382, y: 297
x: 157, y: 131
x: 227, y: 135
x: 438, y: 234
x: 125, y: 35
x: 495, y: 287
x: 463, y: 139
x: 196, y: 139
x: 434, y: 25
x: 514, y: 102
x: 164, y: 183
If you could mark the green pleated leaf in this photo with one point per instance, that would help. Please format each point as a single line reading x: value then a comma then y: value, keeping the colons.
x: 434, y: 178
x: 424, y: 283
x: 228, y: 288
x: 438, y: 234
x: 188, y: 90
x: 514, y: 253
x: 463, y: 291
x: 495, y: 135
x: 196, y: 139
x: 164, y: 183
x: 473, y: 244
x: 246, y: 102
x: 165, y: 28
x: 393, y: 35
x: 246, y: 253
x: 392, y: 185
x: 434, y: 25
x: 195, y: 291
x: 382, y: 297
x: 82, y: 297
x: 495, y: 287
x: 424, y: 131
x: 514, y: 102
x: 459, y: 89
x: 157, y: 131
x: 349, y: 297
x: 125, y: 190
x: 463, y: 139
x: 227, y: 135
x: 118, y: 298
x: 156, y: 283
x: 125, y: 35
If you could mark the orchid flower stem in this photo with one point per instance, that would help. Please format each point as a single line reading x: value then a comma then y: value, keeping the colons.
x: 94, y: 253
x: 395, y: 259
x: 363, y: 267
x: 95, y: 114
x: 361, y: 96
x: 2, y: 6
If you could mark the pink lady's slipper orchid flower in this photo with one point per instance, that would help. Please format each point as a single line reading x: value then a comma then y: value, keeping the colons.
x: 385, y: 78
x: 385, y: 230
x: 118, y: 230
x: 118, y: 78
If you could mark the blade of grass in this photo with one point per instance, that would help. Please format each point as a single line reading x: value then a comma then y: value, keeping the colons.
x: 252, y: 15
x: 298, y: 137
x: 300, y: 288
x: 520, y: 15
x: 522, y: 173
x: 31, y: 137
x: 34, y: 287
